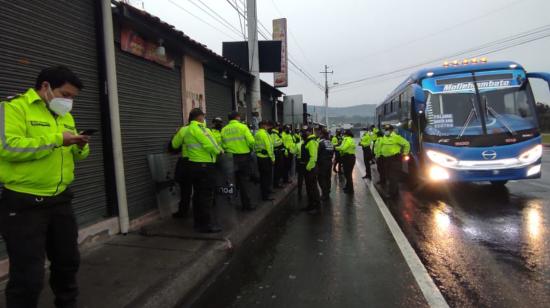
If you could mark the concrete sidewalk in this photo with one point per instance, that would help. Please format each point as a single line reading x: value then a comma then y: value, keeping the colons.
x: 164, y: 263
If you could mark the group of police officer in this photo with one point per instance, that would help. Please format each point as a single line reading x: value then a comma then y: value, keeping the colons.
x: 388, y: 150
x: 39, y: 145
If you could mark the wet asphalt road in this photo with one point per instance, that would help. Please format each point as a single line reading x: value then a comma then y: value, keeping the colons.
x: 483, y: 246
x: 344, y: 257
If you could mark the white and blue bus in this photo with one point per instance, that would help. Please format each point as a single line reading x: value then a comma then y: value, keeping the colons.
x: 468, y: 121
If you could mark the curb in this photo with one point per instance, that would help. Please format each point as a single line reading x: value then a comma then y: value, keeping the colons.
x: 186, y: 285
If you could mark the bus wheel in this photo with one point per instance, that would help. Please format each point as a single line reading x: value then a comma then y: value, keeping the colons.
x: 499, y: 183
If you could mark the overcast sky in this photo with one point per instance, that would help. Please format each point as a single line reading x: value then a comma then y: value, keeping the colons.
x: 365, y: 38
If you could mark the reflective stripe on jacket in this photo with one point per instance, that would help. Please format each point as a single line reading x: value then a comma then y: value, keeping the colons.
x: 237, y: 138
x: 177, y: 141
x: 264, y: 145
x: 393, y: 145
x: 201, y: 146
x: 347, y: 146
x: 33, y: 159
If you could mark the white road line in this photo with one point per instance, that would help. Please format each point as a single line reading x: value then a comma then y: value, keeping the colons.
x: 430, y: 291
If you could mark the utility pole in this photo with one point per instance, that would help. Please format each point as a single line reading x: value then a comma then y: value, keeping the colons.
x: 253, y: 55
x: 326, y: 72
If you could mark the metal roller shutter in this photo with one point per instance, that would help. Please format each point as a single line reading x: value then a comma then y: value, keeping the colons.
x: 38, y: 34
x: 150, y: 113
x: 219, y: 95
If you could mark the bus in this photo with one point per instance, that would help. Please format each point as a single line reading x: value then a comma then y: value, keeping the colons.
x: 467, y: 121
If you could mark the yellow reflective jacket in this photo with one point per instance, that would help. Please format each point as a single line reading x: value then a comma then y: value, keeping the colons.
x: 264, y: 145
x: 177, y: 141
x: 33, y: 159
x: 347, y: 146
x: 393, y: 145
x: 201, y: 146
x: 237, y: 138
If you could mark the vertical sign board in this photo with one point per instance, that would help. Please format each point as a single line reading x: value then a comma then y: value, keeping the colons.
x: 280, y: 34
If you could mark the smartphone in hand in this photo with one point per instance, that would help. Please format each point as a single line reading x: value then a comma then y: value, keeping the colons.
x: 89, y: 132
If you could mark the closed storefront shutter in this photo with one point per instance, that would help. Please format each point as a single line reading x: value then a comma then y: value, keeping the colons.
x: 219, y: 95
x: 38, y: 34
x: 150, y: 113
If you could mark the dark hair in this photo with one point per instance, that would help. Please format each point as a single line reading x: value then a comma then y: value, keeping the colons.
x: 57, y: 76
x: 348, y: 132
x: 263, y: 123
x: 233, y: 115
x: 195, y: 113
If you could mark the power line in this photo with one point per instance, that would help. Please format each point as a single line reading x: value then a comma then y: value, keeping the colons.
x: 446, y: 29
x: 200, y: 19
x: 268, y: 37
x: 481, y: 47
x: 216, y: 16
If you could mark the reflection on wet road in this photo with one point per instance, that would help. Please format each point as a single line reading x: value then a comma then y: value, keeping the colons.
x: 483, y: 246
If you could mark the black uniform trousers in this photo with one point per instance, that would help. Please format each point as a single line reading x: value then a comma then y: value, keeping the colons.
x: 186, y: 186
x: 380, y: 168
x: 279, y: 166
x: 348, y: 160
x: 203, y: 179
x: 312, y: 189
x: 287, y: 167
x: 301, y: 171
x: 265, y: 168
x: 34, y: 227
x: 241, y: 163
x: 324, y: 177
x: 367, y: 157
x: 392, y: 172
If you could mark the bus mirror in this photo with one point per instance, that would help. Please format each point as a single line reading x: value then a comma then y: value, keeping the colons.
x: 543, y: 76
x: 419, y: 99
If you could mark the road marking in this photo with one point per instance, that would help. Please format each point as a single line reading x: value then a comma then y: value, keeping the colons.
x: 430, y: 291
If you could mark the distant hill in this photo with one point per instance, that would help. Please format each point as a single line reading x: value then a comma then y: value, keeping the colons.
x: 365, y: 110
x: 362, y: 114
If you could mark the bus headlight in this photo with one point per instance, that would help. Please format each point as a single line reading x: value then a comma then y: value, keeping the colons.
x: 532, y: 155
x: 533, y: 170
x: 442, y: 159
x: 437, y: 173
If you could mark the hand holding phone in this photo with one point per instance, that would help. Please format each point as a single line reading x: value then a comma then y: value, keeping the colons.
x: 89, y: 132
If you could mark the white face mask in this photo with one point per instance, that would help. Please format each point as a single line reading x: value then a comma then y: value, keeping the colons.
x: 60, y: 105
x: 387, y: 133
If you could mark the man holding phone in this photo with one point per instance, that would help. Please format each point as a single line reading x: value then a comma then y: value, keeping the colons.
x: 39, y: 144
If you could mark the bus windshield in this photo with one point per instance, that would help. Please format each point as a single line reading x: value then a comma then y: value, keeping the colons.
x: 503, y: 104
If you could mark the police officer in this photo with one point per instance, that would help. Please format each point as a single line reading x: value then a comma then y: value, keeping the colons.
x: 217, y: 125
x: 266, y: 158
x: 203, y: 151
x: 393, y: 148
x: 366, y: 144
x: 238, y: 140
x: 300, y: 166
x: 278, y: 149
x: 336, y: 141
x: 347, y: 156
x: 324, y: 164
x: 182, y: 174
x: 378, y: 158
x: 38, y: 149
x: 290, y: 149
x: 308, y: 158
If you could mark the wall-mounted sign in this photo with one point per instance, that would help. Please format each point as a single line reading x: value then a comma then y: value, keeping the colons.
x: 133, y: 43
x: 280, y: 34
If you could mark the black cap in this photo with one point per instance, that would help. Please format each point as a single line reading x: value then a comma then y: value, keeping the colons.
x: 233, y: 115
